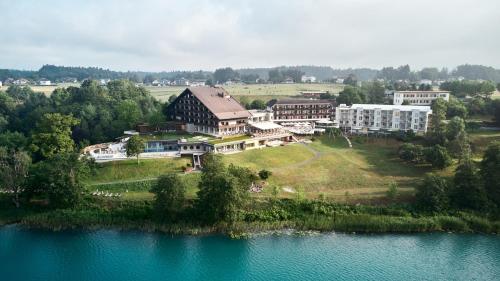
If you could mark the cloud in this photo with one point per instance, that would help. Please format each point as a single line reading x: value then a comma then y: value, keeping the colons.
x: 166, y: 35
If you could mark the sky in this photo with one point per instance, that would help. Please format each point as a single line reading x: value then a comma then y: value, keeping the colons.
x: 164, y: 35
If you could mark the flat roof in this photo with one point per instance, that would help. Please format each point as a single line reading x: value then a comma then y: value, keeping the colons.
x: 391, y: 107
x: 302, y: 101
x: 423, y: 92
x: 266, y: 125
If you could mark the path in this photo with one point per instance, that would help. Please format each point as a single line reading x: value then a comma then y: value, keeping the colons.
x: 348, y: 140
x: 317, y: 154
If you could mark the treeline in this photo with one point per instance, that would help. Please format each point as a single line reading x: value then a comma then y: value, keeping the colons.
x: 68, y: 73
x: 251, y: 75
x: 103, y: 112
x: 473, y: 186
x: 466, y: 71
x: 41, y: 137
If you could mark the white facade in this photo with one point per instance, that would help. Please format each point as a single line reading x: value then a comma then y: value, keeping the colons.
x: 44, y: 82
x: 257, y: 115
x: 376, y: 117
x: 308, y: 79
x: 419, y: 97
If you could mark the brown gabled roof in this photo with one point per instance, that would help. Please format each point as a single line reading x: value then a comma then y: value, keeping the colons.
x: 219, y: 102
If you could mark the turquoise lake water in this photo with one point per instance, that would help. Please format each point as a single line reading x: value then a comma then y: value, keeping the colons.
x: 113, y: 255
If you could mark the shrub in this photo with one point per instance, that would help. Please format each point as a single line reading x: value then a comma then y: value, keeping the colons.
x: 411, y: 153
x: 392, y: 192
x: 438, y: 157
x: 432, y: 194
x: 265, y: 174
x: 449, y: 223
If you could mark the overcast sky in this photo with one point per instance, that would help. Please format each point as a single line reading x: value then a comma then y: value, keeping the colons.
x: 156, y: 35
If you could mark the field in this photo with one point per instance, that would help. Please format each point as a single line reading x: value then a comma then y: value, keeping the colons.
x: 254, y: 91
x: 47, y: 90
x: 496, y: 95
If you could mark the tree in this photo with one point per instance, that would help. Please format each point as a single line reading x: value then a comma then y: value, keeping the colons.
x: 156, y: 119
x: 169, y: 192
x: 465, y: 88
x: 496, y: 111
x: 14, y: 168
x: 351, y: 95
x: 223, y: 190
x: 258, y: 104
x: 19, y: 93
x: 295, y: 74
x: 129, y: 113
x: 490, y: 172
x: 275, y: 76
x: 468, y: 192
x: 265, y: 174
x: 13, y: 140
x: 438, y: 129
x: 455, y: 127
x: 438, y: 157
x: 53, y: 134
x: 424, y: 87
x: 432, y: 194
x: 456, y: 108
x: 134, y: 147
x: 351, y: 80
x: 223, y: 75
x: 249, y: 78
x: 375, y: 92
x: 172, y: 98
x: 59, y: 178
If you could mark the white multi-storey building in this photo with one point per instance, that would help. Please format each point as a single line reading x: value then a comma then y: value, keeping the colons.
x: 419, y: 97
x: 376, y: 117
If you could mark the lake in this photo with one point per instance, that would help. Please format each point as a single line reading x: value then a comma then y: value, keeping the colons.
x: 113, y: 255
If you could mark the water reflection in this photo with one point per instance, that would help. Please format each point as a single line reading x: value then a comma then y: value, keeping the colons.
x: 113, y: 255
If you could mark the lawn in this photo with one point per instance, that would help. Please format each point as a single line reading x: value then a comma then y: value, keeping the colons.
x: 128, y: 170
x: 481, y: 139
x: 326, y: 166
x: 329, y: 167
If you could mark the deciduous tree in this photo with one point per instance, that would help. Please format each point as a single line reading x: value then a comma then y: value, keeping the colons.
x: 53, y: 134
x: 134, y: 147
x: 490, y: 172
x: 14, y: 168
x: 170, y: 192
x: 432, y: 194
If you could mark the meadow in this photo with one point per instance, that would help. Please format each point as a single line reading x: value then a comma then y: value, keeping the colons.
x: 252, y: 91
x: 326, y: 167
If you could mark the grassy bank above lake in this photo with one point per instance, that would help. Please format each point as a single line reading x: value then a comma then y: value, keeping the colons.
x: 261, y: 216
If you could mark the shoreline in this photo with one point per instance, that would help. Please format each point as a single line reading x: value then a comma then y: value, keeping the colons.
x: 238, y: 231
